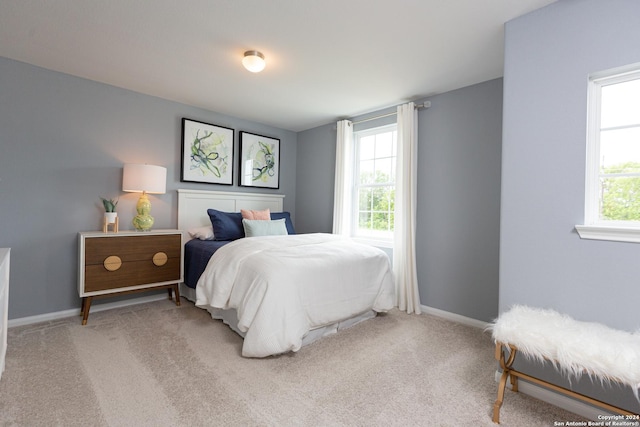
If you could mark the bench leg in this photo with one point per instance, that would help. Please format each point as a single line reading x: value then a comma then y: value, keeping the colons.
x: 502, y: 385
x: 514, y: 383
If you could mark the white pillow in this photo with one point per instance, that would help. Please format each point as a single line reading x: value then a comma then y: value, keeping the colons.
x: 202, y: 233
x: 260, y: 227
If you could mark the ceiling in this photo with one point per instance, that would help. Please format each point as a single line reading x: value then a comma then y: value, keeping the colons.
x: 326, y: 59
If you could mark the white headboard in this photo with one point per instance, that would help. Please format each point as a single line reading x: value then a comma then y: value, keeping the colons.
x: 193, y: 205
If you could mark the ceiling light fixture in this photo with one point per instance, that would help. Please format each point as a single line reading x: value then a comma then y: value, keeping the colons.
x: 253, y: 61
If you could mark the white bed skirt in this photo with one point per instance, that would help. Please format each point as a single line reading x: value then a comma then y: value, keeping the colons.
x: 230, y: 318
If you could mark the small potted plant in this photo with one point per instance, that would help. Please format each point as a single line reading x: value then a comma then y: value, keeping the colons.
x: 110, y: 213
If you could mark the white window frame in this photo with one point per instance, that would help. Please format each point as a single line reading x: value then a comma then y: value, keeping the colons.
x: 593, y: 227
x: 381, y: 239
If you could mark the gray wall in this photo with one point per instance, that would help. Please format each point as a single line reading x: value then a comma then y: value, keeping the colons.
x: 63, y: 141
x: 459, y: 200
x: 458, y: 196
x: 315, y: 175
x: 543, y: 262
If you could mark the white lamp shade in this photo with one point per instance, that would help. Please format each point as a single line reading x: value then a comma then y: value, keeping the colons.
x: 253, y: 61
x: 144, y: 178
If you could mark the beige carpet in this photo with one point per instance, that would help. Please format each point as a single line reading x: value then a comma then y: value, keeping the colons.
x: 160, y: 365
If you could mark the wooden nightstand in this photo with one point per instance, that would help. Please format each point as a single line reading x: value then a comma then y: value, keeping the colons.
x: 128, y: 261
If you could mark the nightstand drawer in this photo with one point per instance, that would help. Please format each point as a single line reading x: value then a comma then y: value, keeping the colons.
x: 133, y: 273
x: 121, y: 262
x: 131, y: 248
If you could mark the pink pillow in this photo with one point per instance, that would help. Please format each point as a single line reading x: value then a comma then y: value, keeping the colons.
x: 254, y: 215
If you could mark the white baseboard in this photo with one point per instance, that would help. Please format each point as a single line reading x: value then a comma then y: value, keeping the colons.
x: 556, y: 399
x: 454, y: 317
x: 76, y: 311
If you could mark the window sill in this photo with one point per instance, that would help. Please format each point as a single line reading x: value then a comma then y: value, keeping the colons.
x: 616, y: 233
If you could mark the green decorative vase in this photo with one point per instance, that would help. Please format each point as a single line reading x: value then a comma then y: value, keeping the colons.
x: 143, y: 221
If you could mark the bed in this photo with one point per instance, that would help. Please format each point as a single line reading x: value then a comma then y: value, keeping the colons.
x: 279, y: 292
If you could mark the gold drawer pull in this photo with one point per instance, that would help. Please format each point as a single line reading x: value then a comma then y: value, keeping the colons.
x: 160, y: 259
x: 112, y: 263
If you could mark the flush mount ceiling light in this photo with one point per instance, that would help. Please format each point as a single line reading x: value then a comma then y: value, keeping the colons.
x: 253, y: 61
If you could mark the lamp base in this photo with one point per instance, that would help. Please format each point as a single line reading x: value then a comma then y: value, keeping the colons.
x: 143, y: 221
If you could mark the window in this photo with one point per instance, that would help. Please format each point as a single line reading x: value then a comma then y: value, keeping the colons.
x: 374, y: 184
x: 612, y: 195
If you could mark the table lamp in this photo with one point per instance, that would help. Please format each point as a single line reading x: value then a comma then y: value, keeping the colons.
x: 145, y: 179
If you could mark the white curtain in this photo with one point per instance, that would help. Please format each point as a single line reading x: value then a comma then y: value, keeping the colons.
x: 404, y: 245
x: 344, y: 166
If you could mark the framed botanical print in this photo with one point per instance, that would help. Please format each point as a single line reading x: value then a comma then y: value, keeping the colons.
x: 259, y: 161
x: 207, y: 153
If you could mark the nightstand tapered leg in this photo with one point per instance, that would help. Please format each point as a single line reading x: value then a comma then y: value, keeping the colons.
x: 86, y: 306
x: 176, y: 290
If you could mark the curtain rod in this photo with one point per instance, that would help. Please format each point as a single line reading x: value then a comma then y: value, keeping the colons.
x: 426, y: 104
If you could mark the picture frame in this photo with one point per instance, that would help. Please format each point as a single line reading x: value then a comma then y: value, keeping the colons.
x: 259, y: 161
x: 207, y: 153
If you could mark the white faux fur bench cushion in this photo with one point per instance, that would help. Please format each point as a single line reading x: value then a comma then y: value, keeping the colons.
x: 573, y: 346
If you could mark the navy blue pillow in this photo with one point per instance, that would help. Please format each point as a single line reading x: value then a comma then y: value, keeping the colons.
x: 287, y: 222
x: 226, y: 225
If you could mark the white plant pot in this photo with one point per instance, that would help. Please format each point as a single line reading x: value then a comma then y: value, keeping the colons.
x: 110, y: 217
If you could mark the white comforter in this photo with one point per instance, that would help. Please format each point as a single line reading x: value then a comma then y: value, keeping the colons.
x: 284, y: 286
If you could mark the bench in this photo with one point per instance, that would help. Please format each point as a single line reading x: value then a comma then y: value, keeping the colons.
x: 573, y: 347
